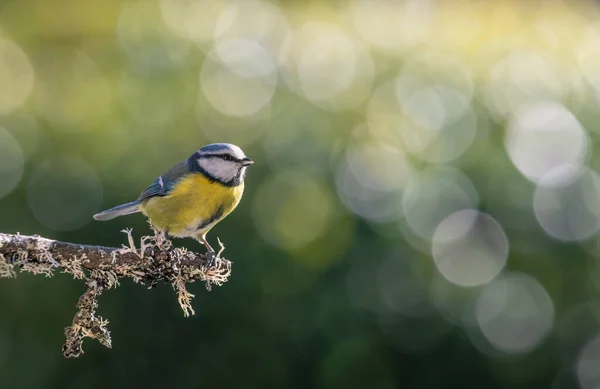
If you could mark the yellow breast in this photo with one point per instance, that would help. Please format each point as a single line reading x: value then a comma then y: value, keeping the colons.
x: 195, y: 204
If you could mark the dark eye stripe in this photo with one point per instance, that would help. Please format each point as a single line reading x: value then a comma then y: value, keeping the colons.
x: 226, y: 157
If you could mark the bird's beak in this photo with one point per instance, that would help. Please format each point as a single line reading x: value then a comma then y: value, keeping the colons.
x: 247, y: 162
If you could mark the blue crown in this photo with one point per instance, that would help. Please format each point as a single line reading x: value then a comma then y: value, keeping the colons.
x: 216, y: 147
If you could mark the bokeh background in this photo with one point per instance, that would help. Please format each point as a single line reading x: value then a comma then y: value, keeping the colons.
x: 424, y: 210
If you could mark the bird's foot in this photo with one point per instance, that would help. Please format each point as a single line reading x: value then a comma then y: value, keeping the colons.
x: 211, y: 259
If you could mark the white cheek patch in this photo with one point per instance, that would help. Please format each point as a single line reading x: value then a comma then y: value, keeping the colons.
x: 222, y: 170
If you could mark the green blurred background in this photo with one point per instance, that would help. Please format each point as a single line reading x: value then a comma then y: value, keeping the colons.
x: 423, y: 211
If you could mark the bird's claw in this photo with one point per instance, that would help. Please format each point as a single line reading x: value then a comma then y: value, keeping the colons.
x: 211, y: 259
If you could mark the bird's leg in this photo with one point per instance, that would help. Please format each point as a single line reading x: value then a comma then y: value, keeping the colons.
x: 162, y: 240
x: 210, y: 254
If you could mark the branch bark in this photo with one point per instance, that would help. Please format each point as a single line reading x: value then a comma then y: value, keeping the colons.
x: 101, y: 268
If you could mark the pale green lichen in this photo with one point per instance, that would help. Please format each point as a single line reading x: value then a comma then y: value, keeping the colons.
x: 158, y: 261
x: 86, y: 324
x: 6, y: 269
x: 38, y: 268
x: 183, y: 296
x: 75, y: 266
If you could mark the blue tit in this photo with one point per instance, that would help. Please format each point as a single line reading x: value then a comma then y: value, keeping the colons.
x: 194, y: 195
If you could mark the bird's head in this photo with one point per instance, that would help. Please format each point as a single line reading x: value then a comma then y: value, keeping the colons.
x: 222, y: 162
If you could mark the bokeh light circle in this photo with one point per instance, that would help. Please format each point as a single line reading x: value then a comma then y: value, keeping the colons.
x: 292, y: 210
x: 392, y: 26
x: 16, y: 76
x: 64, y: 192
x: 326, y: 66
x: 427, y: 109
x: 433, y: 195
x: 588, y: 372
x: 455, y: 303
x: 254, y: 20
x: 12, y: 162
x: 146, y: 38
x: 570, y: 212
x: 522, y: 78
x: 454, y: 132
x: 26, y: 130
x: 437, y: 123
x: 515, y: 313
x: 544, y: 136
x: 244, y: 83
x: 86, y: 96
x: 194, y: 20
x: 322, y: 78
x: 588, y: 56
x: 370, y: 180
x: 245, y: 57
x: 469, y: 248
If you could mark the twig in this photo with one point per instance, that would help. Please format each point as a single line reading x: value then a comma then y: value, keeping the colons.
x: 102, y: 267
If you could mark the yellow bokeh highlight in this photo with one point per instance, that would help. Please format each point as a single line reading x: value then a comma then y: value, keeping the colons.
x: 16, y: 76
x: 294, y: 210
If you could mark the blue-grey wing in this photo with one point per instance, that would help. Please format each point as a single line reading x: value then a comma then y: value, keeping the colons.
x: 163, y: 184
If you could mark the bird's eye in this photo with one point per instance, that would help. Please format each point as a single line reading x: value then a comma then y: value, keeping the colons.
x: 227, y: 157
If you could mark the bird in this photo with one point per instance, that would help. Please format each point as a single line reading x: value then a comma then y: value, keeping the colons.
x: 190, y: 198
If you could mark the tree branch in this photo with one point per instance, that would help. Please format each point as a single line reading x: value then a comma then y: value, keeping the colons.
x: 102, y: 267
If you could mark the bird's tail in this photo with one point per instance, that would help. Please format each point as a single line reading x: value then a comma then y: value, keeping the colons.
x: 119, y: 210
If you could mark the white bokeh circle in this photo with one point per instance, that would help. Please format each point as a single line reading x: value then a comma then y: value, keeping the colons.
x: 469, y: 248
x: 544, y: 136
x: 570, y: 212
x: 515, y: 313
x: 433, y: 195
x: 587, y: 369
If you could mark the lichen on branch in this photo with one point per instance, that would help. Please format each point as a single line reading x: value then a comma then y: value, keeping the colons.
x: 102, y: 267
